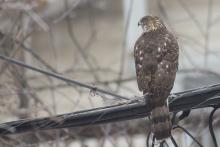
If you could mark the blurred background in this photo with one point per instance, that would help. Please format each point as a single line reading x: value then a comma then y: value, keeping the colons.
x: 92, y: 41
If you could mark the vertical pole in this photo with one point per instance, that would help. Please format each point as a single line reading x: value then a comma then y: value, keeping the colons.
x: 133, y: 10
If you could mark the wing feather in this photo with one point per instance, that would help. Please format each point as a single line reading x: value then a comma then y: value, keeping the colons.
x: 149, y: 52
x: 138, y: 55
x: 143, y: 63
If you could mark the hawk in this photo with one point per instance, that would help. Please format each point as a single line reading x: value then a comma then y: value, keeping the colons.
x: 156, y: 55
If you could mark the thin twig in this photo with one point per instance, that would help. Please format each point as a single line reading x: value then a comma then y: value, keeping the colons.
x: 211, y: 125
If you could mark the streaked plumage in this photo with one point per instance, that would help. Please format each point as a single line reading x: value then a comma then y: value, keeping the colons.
x: 156, y: 59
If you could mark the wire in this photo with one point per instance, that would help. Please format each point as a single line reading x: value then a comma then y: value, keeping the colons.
x: 95, y: 116
x: 153, y: 141
x: 173, y: 141
x: 189, y: 134
x: 60, y: 77
x: 121, y: 112
x: 148, y: 138
x: 211, y: 126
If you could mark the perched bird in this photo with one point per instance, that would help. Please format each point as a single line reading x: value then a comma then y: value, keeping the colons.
x: 156, y: 55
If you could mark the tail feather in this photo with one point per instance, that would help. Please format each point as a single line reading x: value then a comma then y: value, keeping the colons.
x: 161, y: 123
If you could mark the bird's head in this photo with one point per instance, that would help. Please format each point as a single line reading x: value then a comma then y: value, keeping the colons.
x: 150, y: 23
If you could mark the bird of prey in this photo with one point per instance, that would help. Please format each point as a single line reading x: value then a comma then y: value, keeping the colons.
x: 156, y: 55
